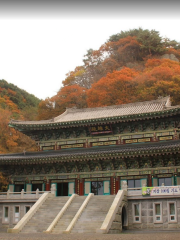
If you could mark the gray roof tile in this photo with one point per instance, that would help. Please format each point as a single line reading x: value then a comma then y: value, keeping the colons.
x: 74, y: 114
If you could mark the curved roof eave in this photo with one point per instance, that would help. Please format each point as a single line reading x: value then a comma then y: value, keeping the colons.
x: 119, y: 151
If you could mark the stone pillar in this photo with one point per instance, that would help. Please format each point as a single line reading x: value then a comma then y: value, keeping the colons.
x: 53, y: 189
x: 124, y: 185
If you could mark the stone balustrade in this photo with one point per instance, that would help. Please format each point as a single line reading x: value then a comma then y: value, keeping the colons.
x: 22, y: 195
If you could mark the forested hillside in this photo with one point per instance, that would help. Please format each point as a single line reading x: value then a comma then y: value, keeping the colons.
x: 136, y: 65
x: 17, y: 104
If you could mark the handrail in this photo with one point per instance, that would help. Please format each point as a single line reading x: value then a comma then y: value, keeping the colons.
x: 106, y: 225
x: 78, y: 214
x: 60, y: 214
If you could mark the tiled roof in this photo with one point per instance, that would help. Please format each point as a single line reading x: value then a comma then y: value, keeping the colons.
x: 74, y: 114
x: 93, y: 153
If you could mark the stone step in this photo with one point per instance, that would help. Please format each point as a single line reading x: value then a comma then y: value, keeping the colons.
x: 93, y: 215
x: 45, y: 215
x: 64, y: 222
x: 90, y: 220
x: 85, y: 231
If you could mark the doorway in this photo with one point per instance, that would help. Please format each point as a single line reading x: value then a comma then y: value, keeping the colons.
x: 18, y: 187
x: 62, y: 189
x: 36, y: 186
x: 124, y: 218
x: 97, y: 188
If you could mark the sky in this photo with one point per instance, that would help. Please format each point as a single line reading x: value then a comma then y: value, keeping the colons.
x: 41, y: 41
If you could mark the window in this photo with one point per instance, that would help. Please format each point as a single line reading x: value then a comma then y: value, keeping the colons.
x: 172, y: 211
x: 166, y: 181
x: 157, y: 212
x: 136, y: 212
x: 5, y: 214
x: 27, y: 209
x: 16, y: 214
x: 134, y: 183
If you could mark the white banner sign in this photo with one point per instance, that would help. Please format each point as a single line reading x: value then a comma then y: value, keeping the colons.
x: 161, y: 191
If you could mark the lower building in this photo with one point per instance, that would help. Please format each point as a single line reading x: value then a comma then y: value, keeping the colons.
x: 149, y: 208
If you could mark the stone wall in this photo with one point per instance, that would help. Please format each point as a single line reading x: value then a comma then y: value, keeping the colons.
x: 147, y: 213
x: 11, y: 205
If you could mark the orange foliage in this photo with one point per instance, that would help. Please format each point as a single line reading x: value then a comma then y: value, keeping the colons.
x: 11, y: 92
x: 110, y: 64
x: 125, y: 50
x: 10, y: 139
x: 6, y: 102
x: 115, y: 88
x: 159, y: 78
x: 69, y: 96
x: 6, y: 142
x: 46, y: 110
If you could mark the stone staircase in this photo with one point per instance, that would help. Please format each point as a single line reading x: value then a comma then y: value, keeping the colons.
x: 93, y: 215
x: 45, y: 215
x: 64, y: 222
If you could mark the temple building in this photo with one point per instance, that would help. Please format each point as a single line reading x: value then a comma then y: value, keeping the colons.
x: 93, y: 150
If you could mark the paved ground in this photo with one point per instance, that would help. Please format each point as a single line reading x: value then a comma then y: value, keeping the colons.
x: 124, y: 236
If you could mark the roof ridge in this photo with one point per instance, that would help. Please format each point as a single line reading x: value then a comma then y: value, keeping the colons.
x: 164, y: 100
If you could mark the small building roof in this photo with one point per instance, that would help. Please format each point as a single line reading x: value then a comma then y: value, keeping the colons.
x: 84, y: 114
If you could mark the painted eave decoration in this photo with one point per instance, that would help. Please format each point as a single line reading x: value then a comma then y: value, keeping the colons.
x: 115, y: 152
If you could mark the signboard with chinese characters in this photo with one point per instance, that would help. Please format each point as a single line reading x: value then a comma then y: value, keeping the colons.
x: 103, y: 143
x: 165, y: 138
x: 100, y: 129
x: 48, y: 147
x: 160, y: 191
x: 138, y: 140
x: 72, y: 146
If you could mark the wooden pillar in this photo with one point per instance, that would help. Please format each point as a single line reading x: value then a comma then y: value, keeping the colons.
x: 149, y: 184
x: 48, y: 186
x: 81, y: 187
x: 117, y: 184
x: 112, y: 184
